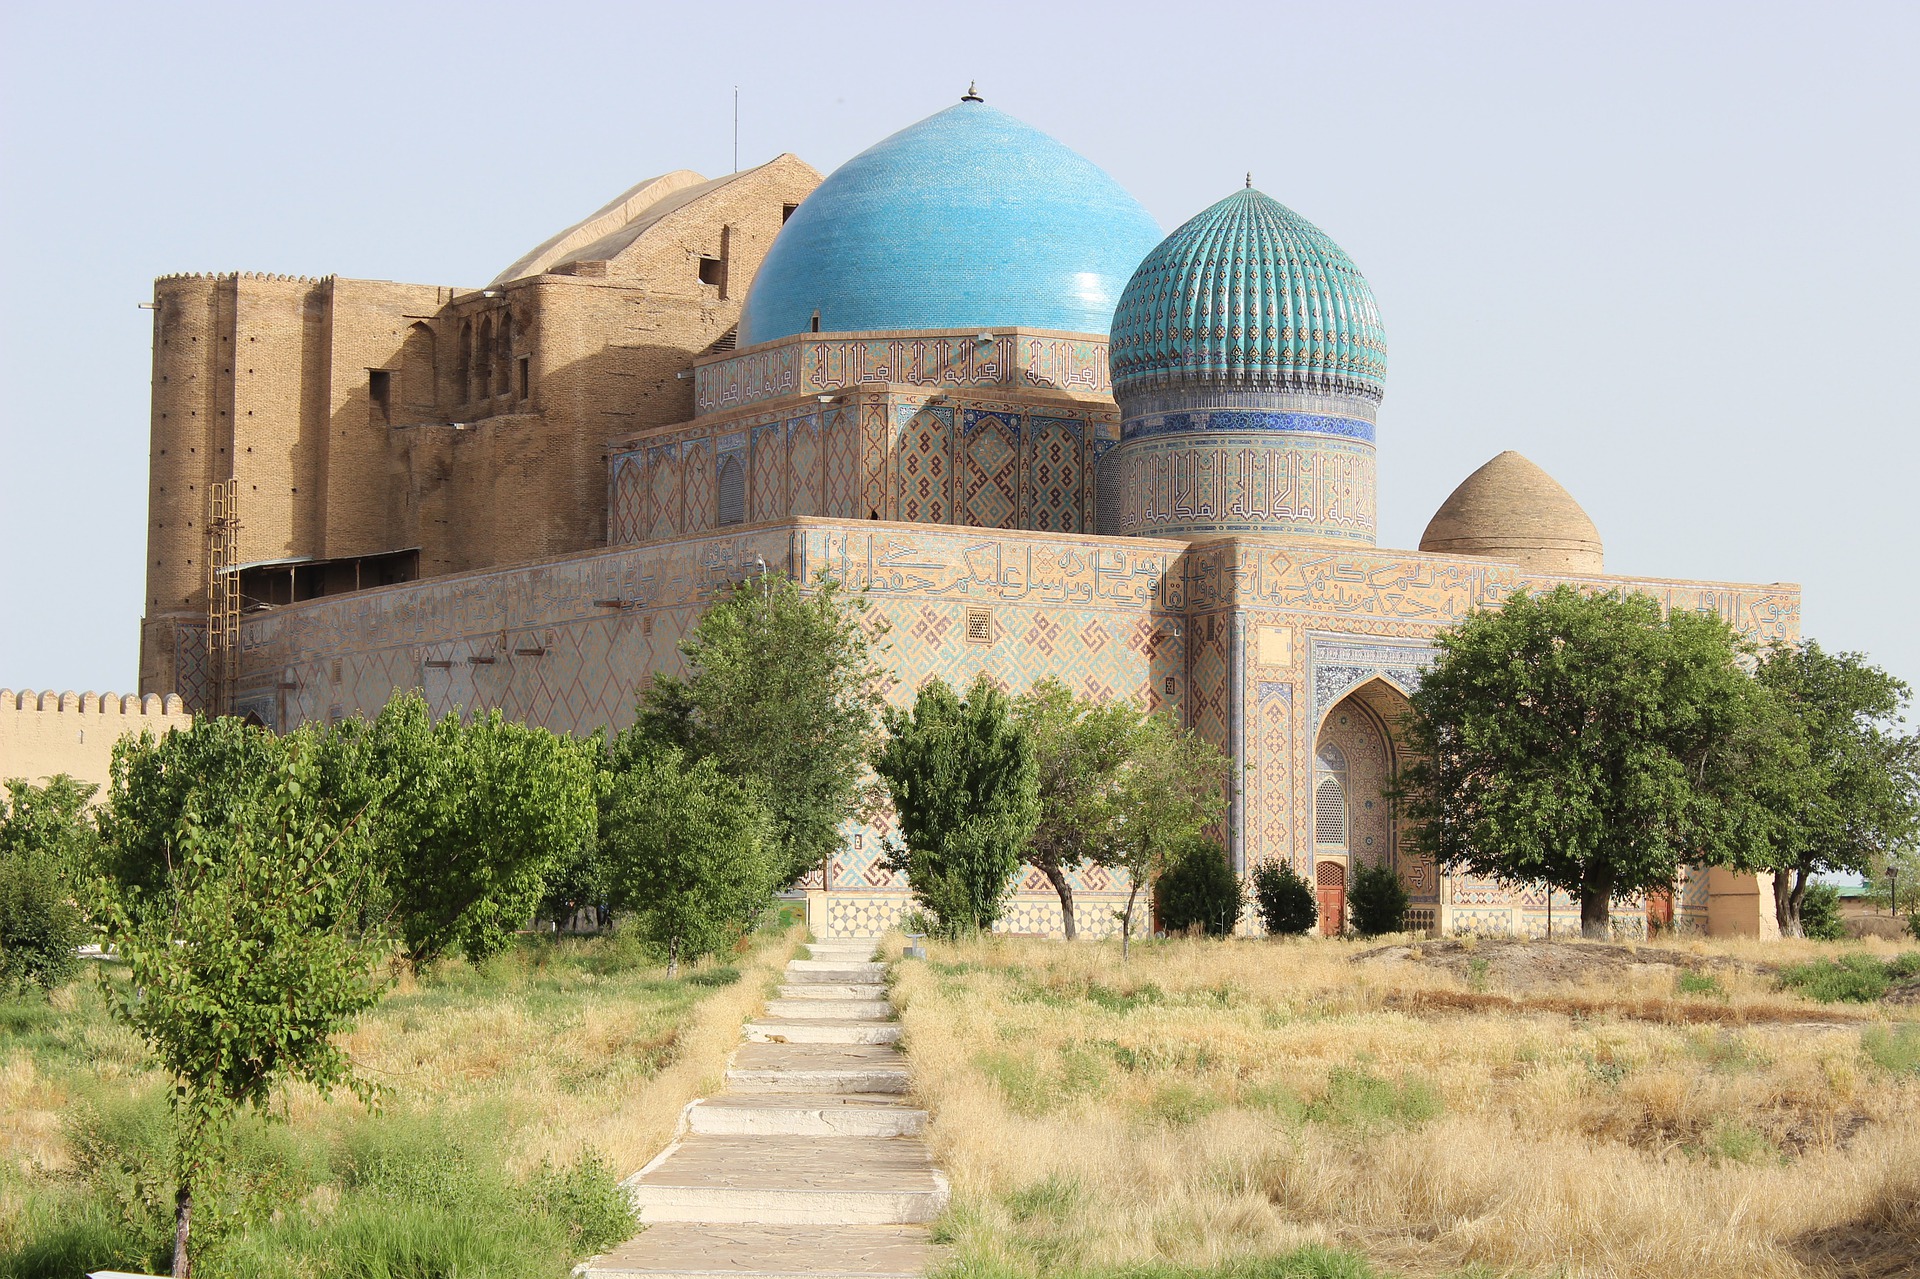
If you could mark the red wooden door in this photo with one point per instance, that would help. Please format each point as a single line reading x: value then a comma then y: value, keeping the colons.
x: 1330, y: 885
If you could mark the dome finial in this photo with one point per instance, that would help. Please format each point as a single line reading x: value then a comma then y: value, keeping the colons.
x: 1249, y: 179
x: 973, y: 92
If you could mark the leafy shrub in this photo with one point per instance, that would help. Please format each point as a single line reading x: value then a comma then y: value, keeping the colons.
x: 1378, y: 899
x: 1820, y: 913
x: 585, y: 1198
x: 1859, y: 979
x: 1202, y: 889
x: 39, y: 924
x: 1283, y: 898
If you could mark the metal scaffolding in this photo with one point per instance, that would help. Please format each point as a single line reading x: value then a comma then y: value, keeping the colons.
x: 223, y: 595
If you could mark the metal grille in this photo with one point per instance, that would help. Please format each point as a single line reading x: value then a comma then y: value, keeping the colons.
x: 733, y: 490
x: 979, y: 626
x: 1329, y: 812
x: 1420, y: 920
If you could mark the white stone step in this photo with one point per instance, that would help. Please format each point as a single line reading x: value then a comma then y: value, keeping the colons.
x: 839, y: 1068
x: 832, y: 990
x: 683, y: 1250
x: 807, y: 1115
x: 823, y: 1030
x: 835, y: 972
x: 830, y: 1009
x: 824, y: 1181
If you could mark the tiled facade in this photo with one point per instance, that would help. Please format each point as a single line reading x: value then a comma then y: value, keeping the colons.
x: 1260, y: 645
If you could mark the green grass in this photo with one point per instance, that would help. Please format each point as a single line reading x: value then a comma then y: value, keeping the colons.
x: 416, y: 1190
x: 1857, y: 978
x: 1691, y: 983
x: 1895, y: 1049
x: 1356, y: 1099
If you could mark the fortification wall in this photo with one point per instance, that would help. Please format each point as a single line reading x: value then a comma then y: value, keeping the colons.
x: 43, y: 734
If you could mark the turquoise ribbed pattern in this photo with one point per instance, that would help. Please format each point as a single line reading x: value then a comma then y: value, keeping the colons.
x: 1249, y: 296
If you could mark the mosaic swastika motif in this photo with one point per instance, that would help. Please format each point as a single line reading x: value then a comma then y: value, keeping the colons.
x: 804, y: 463
x: 923, y: 466
x: 992, y: 474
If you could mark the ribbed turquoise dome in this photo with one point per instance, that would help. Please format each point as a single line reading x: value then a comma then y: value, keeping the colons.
x: 967, y: 220
x: 1251, y: 296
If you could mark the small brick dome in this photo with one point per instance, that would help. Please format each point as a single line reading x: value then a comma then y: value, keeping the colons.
x: 1512, y: 510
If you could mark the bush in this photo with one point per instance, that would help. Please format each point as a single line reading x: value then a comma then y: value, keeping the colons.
x: 1378, y: 899
x: 39, y: 924
x: 1283, y: 899
x: 1201, y: 888
x: 1820, y: 913
x: 1859, y: 979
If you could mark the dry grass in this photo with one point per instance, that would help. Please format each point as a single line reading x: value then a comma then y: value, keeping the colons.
x: 545, y: 1053
x: 1213, y: 1100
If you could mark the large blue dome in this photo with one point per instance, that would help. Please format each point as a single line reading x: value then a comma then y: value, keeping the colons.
x: 968, y: 219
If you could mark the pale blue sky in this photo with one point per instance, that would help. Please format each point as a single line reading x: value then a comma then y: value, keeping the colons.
x: 1668, y: 251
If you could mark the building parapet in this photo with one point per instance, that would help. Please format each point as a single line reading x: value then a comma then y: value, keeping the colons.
x: 91, y: 703
x: 826, y: 363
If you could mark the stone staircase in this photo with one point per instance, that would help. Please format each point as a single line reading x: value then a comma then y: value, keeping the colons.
x: 810, y: 1162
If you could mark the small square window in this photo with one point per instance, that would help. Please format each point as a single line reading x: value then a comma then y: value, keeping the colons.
x: 786, y: 212
x: 712, y: 271
x: 979, y: 626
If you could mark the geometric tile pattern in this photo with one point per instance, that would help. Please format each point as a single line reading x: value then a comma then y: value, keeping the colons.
x: 1259, y: 641
x: 992, y: 482
x: 1206, y: 482
x: 923, y: 462
x: 1054, y: 470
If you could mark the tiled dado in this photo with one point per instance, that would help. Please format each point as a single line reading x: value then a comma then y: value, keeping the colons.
x: 869, y: 915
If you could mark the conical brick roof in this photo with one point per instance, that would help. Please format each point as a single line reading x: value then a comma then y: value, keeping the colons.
x: 1512, y: 510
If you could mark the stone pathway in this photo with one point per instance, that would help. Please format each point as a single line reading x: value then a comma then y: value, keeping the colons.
x: 811, y: 1162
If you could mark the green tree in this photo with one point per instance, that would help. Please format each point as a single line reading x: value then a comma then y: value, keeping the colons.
x: 1080, y: 747
x: 242, y: 965
x: 1172, y: 788
x: 1839, y: 792
x: 687, y: 851
x: 1378, y: 899
x: 475, y: 819
x: 1584, y: 742
x: 1200, y: 888
x: 47, y: 840
x: 965, y: 788
x: 217, y: 763
x: 784, y: 691
x: 51, y: 820
x: 1284, y: 899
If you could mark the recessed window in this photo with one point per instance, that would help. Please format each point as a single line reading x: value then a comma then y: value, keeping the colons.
x: 526, y: 376
x: 712, y: 271
x: 732, y: 487
x: 380, y: 394
x: 786, y: 212
x: 979, y: 625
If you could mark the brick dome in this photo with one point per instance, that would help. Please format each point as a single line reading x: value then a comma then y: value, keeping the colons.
x: 1512, y: 510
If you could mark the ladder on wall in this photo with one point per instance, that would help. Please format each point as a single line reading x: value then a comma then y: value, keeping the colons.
x: 223, y: 595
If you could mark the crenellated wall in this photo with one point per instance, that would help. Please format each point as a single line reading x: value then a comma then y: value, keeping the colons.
x: 46, y: 733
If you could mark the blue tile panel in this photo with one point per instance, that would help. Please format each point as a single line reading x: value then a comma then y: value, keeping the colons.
x: 1192, y: 484
x: 1249, y: 295
x: 968, y: 219
x: 1248, y: 420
